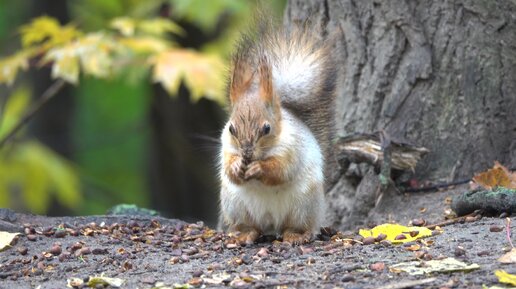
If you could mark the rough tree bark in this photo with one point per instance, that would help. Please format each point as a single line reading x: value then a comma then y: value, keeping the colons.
x: 439, y: 74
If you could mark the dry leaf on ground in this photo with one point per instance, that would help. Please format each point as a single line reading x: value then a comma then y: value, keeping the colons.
x: 509, y: 257
x: 433, y: 266
x: 498, y: 176
x: 5, y: 239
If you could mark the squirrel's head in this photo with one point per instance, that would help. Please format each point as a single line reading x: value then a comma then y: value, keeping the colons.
x: 255, y: 121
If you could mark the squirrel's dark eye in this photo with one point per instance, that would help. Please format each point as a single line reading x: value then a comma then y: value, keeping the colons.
x: 266, y: 129
x: 232, y: 129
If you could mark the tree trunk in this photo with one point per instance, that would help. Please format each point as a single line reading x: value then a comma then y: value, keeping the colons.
x: 438, y: 74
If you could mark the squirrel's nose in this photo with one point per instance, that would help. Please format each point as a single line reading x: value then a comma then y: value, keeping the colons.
x: 247, y: 153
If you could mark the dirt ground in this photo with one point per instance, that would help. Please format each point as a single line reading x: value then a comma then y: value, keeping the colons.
x: 146, y: 252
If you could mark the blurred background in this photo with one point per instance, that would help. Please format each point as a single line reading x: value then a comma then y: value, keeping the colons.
x: 138, y: 118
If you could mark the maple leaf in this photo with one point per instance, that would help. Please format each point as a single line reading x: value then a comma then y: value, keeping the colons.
x: 202, y: 74
x: 125, y: 25
x: 498, y: 176
x: 10, y: 66
x: 47, y: 30
x: 144, y: 44
x: 159, y: 26
x: 65, y: 63
x: 94, y: 53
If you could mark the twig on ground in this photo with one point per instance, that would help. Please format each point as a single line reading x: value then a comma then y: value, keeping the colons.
x: 45, y: 97
x: 451, y: 221
x: 508, y: 230
x: 407, y: 284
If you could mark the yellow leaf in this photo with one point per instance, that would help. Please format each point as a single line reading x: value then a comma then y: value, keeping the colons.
x: 203, y: 74
x: 95, y: 52
x: 38, y: 30
x: 124, y: 25
x: 15, y: 106
x: 5, y: 239
x: 144, y: 44
x: 394, y: 230
x: 10, y: 66
x: 159, y: 26
x: 47, y: 30
x: 65, y: 63
x: 506, y: 278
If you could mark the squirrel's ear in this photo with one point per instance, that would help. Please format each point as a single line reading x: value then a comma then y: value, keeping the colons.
x: 240, y: 79
x: 265, y: 74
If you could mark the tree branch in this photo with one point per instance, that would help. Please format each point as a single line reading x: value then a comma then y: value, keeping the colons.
x: 45, y: 97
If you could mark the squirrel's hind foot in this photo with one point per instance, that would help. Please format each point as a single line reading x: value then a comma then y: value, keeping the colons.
x: 246, y: 235
x: 296, y: 238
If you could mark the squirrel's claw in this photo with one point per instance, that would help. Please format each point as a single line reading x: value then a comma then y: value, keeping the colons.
x: 254, y: 171
x: 237, y: 171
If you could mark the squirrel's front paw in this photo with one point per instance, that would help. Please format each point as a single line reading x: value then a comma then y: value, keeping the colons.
x: 237, y: 171
x: 254, y: 171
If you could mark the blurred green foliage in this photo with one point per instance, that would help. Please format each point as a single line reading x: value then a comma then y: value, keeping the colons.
x: 30, y: 173
x: 113, y: 50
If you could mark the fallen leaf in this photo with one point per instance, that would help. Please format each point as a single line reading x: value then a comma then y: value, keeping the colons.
x: 393, y: 231
x: 433, y: 266
x: 506, y: 278
x: 509, y: 257
x: 498, y: 176
x: 74, y: 282
x: 5, y: 239
x: 96, y: 280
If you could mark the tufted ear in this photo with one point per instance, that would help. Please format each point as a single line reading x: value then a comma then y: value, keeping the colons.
x: 266, y: 90
x: 241, y: 79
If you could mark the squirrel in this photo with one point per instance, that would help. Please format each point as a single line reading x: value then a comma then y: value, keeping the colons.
x: 277, y: 141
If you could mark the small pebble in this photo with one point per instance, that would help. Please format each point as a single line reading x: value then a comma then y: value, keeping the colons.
x: 380, y: 237
x: 348, y: 278
x: 483, y: 253
x: 368, y: 240
x: 231, y: 246
x: 32, y: 237
x: 196, y: 281
x: 22, y: 250
x: 60, y: 234
x: 379, y: 266
x: 84, y: 251
x: 459, y: 251
x: 55, y: 250
x: 495, y: 228
x: 418, y: 222
x: 197, y: 273
x: 400, y: 237
x: 263, y: 252
x: 503, y: 215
